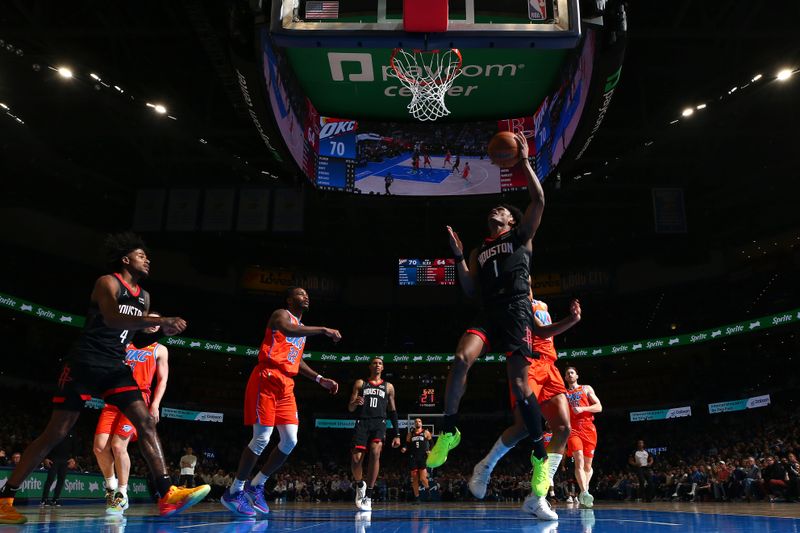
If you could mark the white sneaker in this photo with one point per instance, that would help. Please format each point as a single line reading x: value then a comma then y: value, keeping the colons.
x: 366, y: 504
x: 570, y: 500
x: 479, y: 480
x: 539, y: 507
x: 586, y: 499
x: 361, y: 491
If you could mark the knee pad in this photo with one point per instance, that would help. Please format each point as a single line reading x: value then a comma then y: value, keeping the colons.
x: 288, y: 435
x: 260, y: 438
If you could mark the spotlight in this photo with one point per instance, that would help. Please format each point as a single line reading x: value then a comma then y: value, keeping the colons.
x: 4, y: 106
x: 756, y: 78
x: 701, y: 106
x: 64, y: 72
x: 687, y: 112
x: 784, y: 74
x: 94, y: 76
x: 160, y: 109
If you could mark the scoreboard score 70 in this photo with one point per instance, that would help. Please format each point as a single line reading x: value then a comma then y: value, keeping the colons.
x: 426, y: 272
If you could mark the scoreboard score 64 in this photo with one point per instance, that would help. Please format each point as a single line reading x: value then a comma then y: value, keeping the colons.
x: 427, y: 272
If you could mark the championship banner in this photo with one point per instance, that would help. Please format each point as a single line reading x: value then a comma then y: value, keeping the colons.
x: 661, y: 414
x: 645, y: 345
x: 739, y: 405
x: 195, y: 416
x: 76, y: 486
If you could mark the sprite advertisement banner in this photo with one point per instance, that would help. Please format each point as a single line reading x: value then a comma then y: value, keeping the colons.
x: 494, y: 82
x: 197, y: 416
x: 661, y: 414
x: 739, y: 405
x: 644, y: 345
x: 76, y: 486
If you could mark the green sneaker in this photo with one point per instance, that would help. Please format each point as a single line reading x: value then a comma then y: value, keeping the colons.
x: 540, y: 483
x: 445, y: 443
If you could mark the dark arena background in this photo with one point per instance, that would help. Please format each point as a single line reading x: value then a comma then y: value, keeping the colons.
x: 258, y: 145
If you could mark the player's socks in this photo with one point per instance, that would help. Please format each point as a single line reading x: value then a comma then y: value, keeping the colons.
x: 259, y: 479
x: 532, y: 416
x: 163, y: 485
x: 495, y: 454
x: 368, y: 493
x: 123, y: 489
x: 553, y: 461
x: 237, y: 486
x: 111, y: 483
x: 7, y: 491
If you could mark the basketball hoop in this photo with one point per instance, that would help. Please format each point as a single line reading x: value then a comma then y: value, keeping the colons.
x: 428, y: 74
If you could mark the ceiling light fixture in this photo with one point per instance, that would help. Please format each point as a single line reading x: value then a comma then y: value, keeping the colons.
x: 687, y: 112
x: 784, y: 74
x: 64, y: 72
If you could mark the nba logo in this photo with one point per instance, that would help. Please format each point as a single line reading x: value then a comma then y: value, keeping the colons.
x: 537, y: 9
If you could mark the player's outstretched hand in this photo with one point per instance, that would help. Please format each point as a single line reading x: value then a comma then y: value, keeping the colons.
x: 330, y: 385
x: 172, y: 325
x: 575, y: 309
x: 333, y: 334
x: 396, y: 442
x: 455, y: 242
x: 522, y: 143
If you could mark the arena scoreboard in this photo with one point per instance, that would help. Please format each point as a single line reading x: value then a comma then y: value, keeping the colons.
x: 427, y: 397
x: 427, y: 272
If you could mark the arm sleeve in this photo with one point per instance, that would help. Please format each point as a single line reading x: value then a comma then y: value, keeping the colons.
x: 395, y: 422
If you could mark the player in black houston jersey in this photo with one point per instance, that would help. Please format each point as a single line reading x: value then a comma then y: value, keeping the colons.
x: 498, y: 272
x: 372, y: 400
x: 96, y: 367
x: 418, y: 442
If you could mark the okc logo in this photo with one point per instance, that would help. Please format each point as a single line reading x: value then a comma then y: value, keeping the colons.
x: 127, y: 427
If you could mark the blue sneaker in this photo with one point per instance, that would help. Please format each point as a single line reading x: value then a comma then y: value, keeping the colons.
x: 255, y: 495
x: 237, y: 504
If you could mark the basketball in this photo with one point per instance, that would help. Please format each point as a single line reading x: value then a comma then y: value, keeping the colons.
x: 504, y: 150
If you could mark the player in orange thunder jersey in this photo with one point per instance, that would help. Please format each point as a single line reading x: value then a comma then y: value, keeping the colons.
x: 582, y: 442
x: 269, y: 401
x: 114, y: 431
x: 545, y: 381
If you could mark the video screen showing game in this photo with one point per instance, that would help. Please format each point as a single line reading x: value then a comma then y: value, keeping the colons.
x: 421, y: 159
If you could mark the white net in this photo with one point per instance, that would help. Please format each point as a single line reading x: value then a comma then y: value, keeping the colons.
x: 428, y: 75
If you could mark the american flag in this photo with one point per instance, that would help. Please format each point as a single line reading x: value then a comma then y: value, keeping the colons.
x: 322, y: 10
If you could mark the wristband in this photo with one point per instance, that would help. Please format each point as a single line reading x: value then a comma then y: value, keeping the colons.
x: 459, y: 258
x: 318, y: 378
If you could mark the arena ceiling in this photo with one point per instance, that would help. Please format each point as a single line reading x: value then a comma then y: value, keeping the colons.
x: 82, y: 149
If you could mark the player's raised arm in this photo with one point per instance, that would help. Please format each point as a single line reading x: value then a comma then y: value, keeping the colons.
x: 280, y: 321
x: 466, y: 271
x: 533, y: 214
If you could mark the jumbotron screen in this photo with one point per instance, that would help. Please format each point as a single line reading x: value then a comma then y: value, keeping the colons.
x: 426, y: 272
x: 390, y: 158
